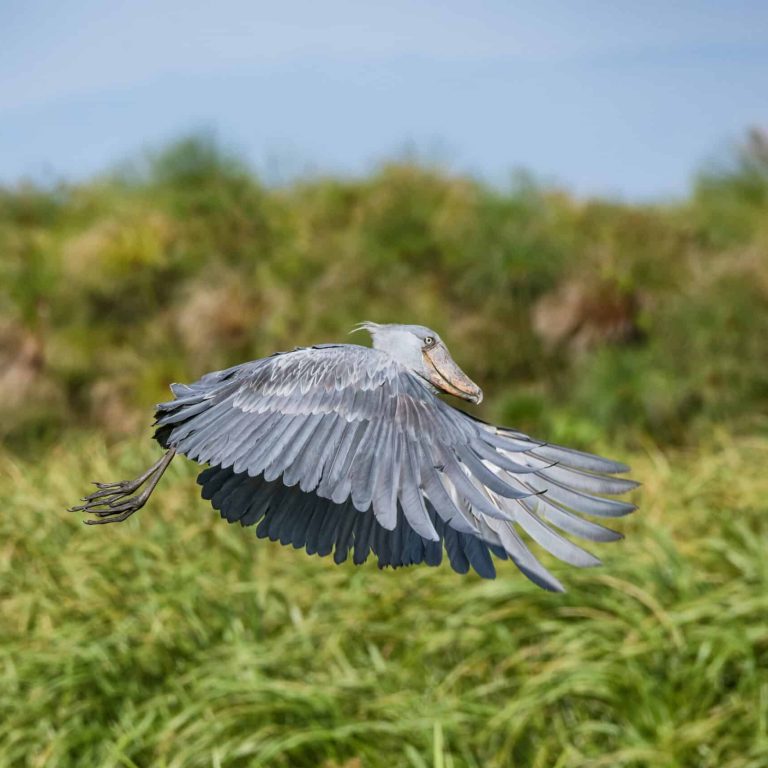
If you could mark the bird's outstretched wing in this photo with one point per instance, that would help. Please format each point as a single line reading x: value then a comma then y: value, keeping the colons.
x: 340, y: 446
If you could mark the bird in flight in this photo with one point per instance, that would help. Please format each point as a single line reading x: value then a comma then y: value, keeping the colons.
x: 346, y: 449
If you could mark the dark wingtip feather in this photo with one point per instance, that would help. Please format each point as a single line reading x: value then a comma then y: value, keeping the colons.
x: 305, y: 520
x: 555, y: 585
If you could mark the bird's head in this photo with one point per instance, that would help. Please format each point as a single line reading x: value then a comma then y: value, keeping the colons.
x: 422, y: 351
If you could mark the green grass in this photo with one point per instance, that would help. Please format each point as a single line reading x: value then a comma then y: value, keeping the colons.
x: 175, y: 640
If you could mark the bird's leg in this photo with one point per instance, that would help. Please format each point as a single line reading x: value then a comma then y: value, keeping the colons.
x: 113, y: 502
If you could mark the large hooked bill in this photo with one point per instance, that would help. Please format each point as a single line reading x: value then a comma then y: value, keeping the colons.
x: 444, y: 374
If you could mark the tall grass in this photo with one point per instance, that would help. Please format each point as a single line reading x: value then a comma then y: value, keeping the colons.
x: 175, y: 640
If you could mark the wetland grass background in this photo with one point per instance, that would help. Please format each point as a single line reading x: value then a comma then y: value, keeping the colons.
x: 175, y: 640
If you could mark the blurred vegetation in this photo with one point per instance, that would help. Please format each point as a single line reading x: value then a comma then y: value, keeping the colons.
x: 579, y: 318
x: 175, y: 641
x: 639, y: 331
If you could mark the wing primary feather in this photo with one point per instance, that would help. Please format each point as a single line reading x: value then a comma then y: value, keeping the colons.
x: 208, y: 441
x: 386, y: 473
x: 488, y: 452
x: 387, y: 485
x: 361, y: 474
x: 236, y: 505
x: 330, y: 449
x: 569, y: 522
x: 397, y: 542
x: 581, y: 502
x: 365, y: 523
x: 560, y: 547
x: 307, y: 468
x: 582, y: 481
x: 254, y: 461
x: 465, y: 488
x: 184, y: 409
x: 282, y: 463
x: 489, y: 479
x: 579, y: 459
x: 333, y: 470
x: 479, y: 558
x: 311, y: 504
x: 411, y: 499
x: 193, y: 437
x: 414, y: 546
x: 498, y: 551
x: 510, y: 445
x: 445, y: 506
x: 294, y: 506
x: 433, y: 552
x: 279, y: 513
x: 238, y: 455
x: 284, y: 445
x: 246, y: 431
x: 524, y: 559
x: 334, y: 483
x: 344, y: 482
x: 227, y: 487
x: 344, y: 533
x: 328, y: 532
x: 381, y: 545
x: 313, y: 530
x: 456, y: 556
x: 211, y: 480
x: 197, y: 425
x: 261, y: 502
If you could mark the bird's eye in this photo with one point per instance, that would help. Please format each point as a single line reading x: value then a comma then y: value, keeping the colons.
x: 429, y: 341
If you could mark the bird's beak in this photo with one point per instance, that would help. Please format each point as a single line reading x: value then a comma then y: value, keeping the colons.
x: 444, y: 374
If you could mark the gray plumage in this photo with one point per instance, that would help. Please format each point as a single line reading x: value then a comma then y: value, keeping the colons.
x: 348, y: 450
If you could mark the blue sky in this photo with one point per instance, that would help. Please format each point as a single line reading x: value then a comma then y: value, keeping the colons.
x: 620, y: 98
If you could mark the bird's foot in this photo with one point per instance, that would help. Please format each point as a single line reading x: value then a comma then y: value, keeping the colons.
x: 113, y: 507
x: 109, y: 492
x: 114, y: 502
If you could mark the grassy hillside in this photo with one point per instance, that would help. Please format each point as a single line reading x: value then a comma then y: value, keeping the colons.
x: 579, y: 318
x: 174, y: 640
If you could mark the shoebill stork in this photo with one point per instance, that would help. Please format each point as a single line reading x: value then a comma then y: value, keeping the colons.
x: 346, y: 449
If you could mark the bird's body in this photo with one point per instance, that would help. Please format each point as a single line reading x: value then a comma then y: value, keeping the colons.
x: 347, y: 449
